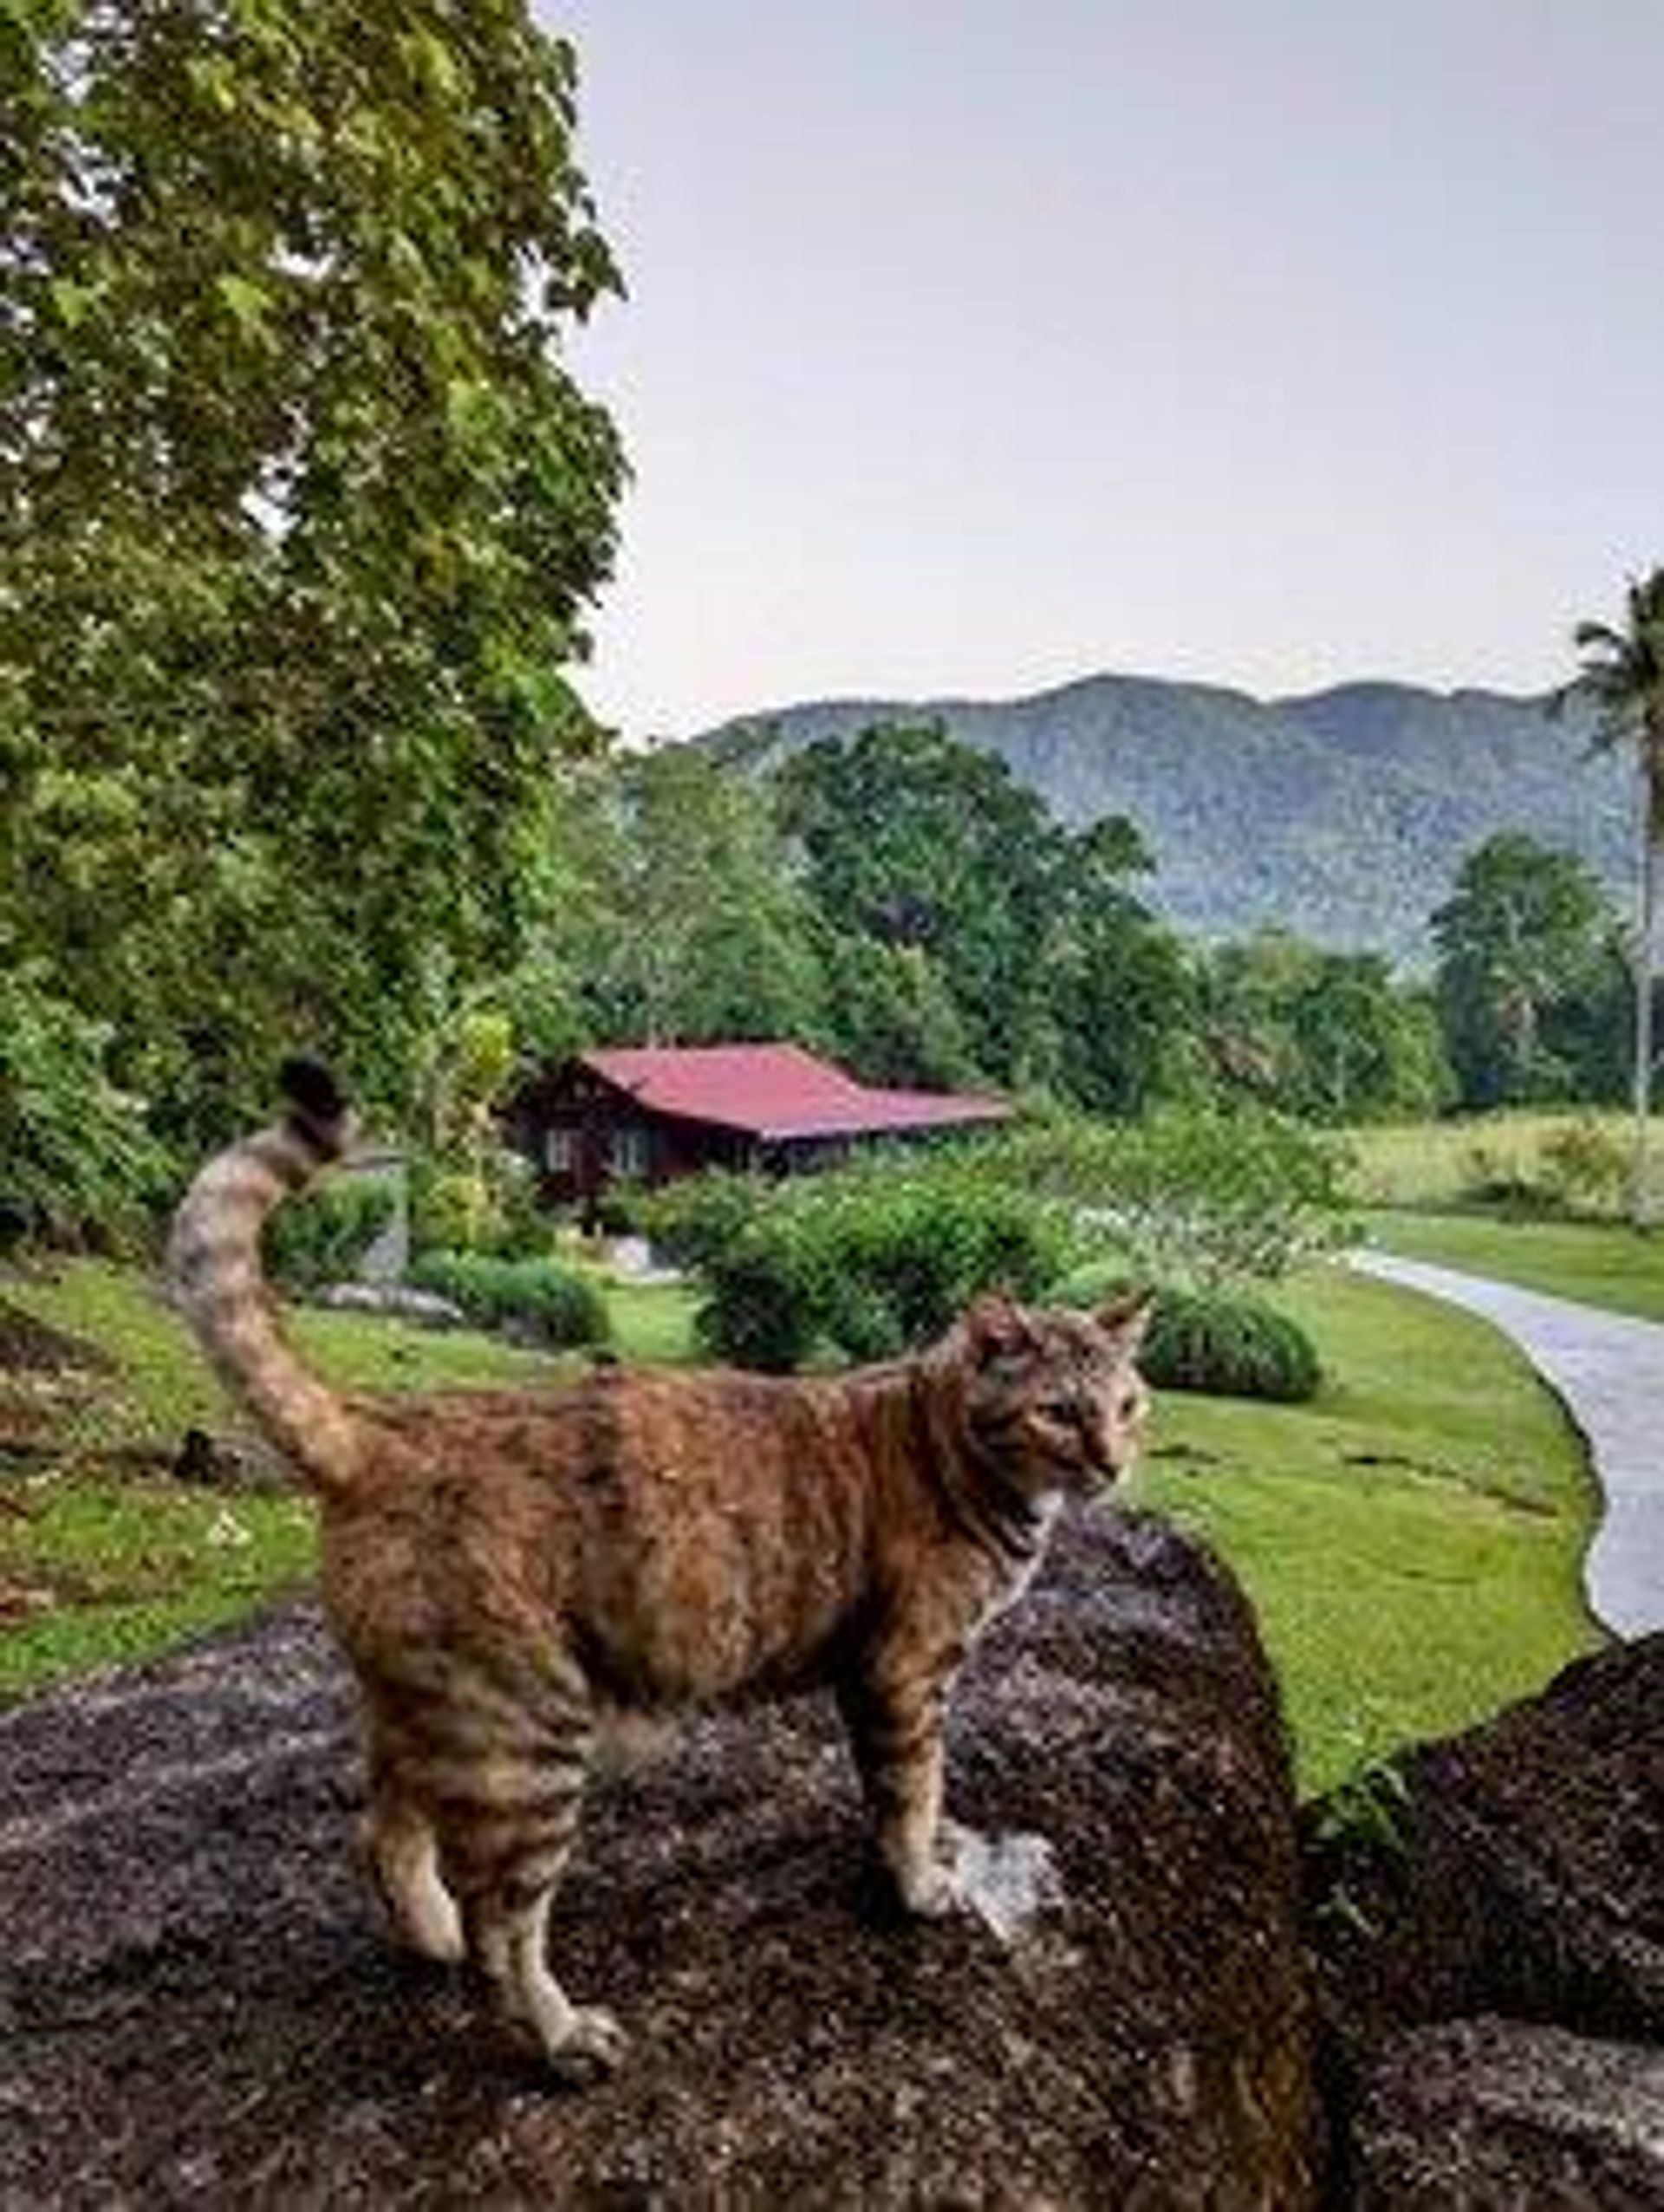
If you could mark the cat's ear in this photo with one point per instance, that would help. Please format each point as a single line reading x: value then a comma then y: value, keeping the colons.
x: 997, y: 1327
x: 1125, y: 1319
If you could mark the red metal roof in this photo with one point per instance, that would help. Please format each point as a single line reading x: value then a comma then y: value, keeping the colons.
x: 777, y: 1091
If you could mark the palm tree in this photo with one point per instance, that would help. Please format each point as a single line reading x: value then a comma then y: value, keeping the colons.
x: 1622, y: 678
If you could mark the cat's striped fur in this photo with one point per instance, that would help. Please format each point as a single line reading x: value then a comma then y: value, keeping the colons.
x: 507, y: 1571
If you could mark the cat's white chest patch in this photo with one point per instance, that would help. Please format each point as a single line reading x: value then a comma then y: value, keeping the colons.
x: 1010, y: 1592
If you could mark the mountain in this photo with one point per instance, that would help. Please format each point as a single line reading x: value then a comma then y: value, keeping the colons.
x: 1342, y: 815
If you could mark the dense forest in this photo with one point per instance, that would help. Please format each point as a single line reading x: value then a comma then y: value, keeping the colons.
x: 302, y: 512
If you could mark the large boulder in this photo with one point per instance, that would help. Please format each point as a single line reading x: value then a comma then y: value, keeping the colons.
x: 196, y: 2002
x: 1519, y: 1869
x: 1490, y: 1939
x: 1500, y: 2116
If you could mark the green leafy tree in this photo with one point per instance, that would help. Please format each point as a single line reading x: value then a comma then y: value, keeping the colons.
x: 1119, y: 989
x: 974, y: 933
x: 1366, y: 1048
x: 1334, y: 1036
x: 301, y: 511
x: 696, y: 931
x: 75, y: 1159
x: 920, y: 843
x: 1623, y: 678
x: 1526, y: 932
x: 891, y: 1013
x: 1245, y: 989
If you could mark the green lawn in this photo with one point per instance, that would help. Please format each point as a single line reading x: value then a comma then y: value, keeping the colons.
x: 104, y: 1558
x: 1411, y: 1540
x: 164, y: 1387
x: 1599, y: 1263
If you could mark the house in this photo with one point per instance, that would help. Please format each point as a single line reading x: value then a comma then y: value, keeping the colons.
x: 649, y: 1114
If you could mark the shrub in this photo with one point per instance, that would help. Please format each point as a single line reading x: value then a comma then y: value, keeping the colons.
x: 491, y: 1206
x: 692, y: 1223
x: 762, y: 1307
x: 917, y: 1242
x: 77, y: 1163
x: 1587, y: 1166
x: 324, y: 1235
x: 1503, y: 1186
x: 533, y: 1298
x: 870, y: 1260
x: 450, y: 1210
x: 1224, y: 1344
x: 1093, y: 1283
x: 1229, y: 1346
x: 1190, y: 1196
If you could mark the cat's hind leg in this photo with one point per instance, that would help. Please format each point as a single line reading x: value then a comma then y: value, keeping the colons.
x: 403, y: 1853
x: 507, y: 1825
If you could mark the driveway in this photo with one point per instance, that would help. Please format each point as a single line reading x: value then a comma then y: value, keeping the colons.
x: 1609, y: 1371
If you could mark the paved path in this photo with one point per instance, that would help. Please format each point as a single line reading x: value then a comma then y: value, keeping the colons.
x: 1609, y: 1370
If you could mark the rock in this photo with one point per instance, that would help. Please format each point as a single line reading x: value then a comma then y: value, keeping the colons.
x: 403, y: 1301
x: 1523, y: 1873
x: 1494, y: 2116
x: 197, y: 2001
x: 226, y: 1463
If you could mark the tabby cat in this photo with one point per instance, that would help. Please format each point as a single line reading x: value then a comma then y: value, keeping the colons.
x: 509, y: 1571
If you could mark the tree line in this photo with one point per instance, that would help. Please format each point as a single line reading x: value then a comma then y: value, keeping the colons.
x: 300, y: 513
x: 900, y: 901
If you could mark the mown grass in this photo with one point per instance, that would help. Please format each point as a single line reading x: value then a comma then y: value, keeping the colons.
x: 1599, y: 1263
x: 103, y: 1558
x: 162, y: 1386
x: 653, y: 1323
x: 1411, y: 1540
x: 100, y: 1569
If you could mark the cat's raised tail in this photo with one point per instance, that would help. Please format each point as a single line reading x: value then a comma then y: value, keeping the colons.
x: 220, y: 1282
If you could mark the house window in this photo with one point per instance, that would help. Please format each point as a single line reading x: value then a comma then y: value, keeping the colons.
x: 560, y: 1151
x: 627, y: 1153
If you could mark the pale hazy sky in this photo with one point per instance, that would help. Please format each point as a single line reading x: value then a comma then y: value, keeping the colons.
x: 974, y: 348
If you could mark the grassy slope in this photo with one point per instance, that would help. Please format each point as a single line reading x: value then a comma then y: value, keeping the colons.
x: 1411, y: 1540
x: 99, y: 1563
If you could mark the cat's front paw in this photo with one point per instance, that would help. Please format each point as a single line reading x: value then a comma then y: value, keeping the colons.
x: 931, y: 1892
x: 590, y: 2048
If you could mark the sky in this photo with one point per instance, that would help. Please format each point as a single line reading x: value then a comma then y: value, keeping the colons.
x: 973, y: 348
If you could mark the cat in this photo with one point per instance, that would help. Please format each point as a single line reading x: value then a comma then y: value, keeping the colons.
x: 506, y: 1571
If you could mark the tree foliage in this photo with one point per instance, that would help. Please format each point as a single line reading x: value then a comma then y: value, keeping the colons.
x: 75, y: 1158
x: 981, y: 902
x: 301, y: 509
x: 1526, y: 942
x: 696, y: 931
x: 1334, y: 1036
x: 1622, y: 677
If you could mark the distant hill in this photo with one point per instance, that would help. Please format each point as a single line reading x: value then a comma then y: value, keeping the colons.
x: 1342, y: 816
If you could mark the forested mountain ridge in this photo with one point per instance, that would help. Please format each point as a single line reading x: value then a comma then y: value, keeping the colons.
x: 1342, y: 815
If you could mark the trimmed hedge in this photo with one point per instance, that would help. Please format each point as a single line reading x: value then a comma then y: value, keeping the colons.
x: 1232, y: 1346
x: 533, y: 1298
x: 1223, y: 1343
